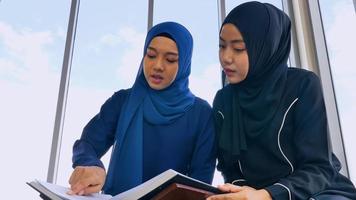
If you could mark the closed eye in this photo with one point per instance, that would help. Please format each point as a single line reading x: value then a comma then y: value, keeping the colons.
x: 172, y: 61
x: 150, y: 56
x: 239, y: 49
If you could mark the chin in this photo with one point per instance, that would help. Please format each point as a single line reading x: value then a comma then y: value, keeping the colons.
x: 156, y: 87
x: 234, y: 81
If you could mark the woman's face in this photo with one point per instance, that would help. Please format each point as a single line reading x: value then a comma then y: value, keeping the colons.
x: 160, y: 64
x: 233, y: 54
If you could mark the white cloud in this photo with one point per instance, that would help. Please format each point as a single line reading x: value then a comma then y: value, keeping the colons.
x: 124, y: 35
x: 61, y: 33
x: 9, y: 69
x: 131, y: 58
x: 206, y: 83
x: 110, y: 39
x: 27, y: 52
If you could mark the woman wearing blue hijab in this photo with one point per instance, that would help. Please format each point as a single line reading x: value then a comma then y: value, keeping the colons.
x: 270, y: 119
x: 157, y: 124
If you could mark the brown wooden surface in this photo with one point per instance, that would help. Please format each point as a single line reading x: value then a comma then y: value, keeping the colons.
x: 182, y: 192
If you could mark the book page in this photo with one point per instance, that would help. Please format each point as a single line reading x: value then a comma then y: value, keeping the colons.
x: 62, y: 192
x: 146, y: 187
x: 163, y: 180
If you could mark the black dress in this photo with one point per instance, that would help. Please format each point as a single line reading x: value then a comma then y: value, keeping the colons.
x: 291, y: 158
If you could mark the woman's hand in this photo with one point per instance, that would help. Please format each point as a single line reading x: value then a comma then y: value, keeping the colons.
x: 86, y: 180
x: 240, y: 193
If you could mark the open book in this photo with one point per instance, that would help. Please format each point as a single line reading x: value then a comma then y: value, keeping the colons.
x: 49, y: 191
x: 161, y: 187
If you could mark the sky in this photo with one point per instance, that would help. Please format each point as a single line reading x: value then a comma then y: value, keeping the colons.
x: 341, y: 41
x: 107, y: 53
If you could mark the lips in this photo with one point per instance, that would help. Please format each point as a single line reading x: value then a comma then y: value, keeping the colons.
x: 156, y: 78
x: 229, y: 72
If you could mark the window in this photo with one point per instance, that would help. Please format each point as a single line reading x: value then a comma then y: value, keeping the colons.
x: 107, y: 54
x: 31, y: 55
x: 230, y: 4
x: 339, y: 21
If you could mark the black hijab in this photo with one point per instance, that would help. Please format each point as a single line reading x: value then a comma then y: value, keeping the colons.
x: 246, y: 109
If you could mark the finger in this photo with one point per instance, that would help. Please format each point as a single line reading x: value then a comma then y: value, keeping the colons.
x: 215, y: 197
x: 223, y: 188
x: 93, y: 180
x: 92, y: 189
x: 231, y: 196
x: 79, y: 186
x: 84, y: 183
x: 229, y: 188
x: 236, y: 188
x: 87, y: 190
x: 70, y: 192
x: 80, y: 193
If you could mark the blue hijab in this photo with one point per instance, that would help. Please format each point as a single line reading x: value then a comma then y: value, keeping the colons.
x: 159, y: 107
x: 250, y: 105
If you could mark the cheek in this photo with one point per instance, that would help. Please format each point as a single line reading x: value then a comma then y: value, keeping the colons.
x: 146, y: 66
x: 173, y: 73
x: 220, y: 56
x: 242, y: 64
x: 246, y: 65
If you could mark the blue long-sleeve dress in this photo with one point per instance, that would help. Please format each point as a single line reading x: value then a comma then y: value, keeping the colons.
x: 187, y: 145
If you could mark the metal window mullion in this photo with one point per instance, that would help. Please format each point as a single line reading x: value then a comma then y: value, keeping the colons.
x: 221, y: 12
x: 221, y: 17
x: 294, y: 57
x: 150, y: 14
x: 63, y: 92
x: 355, y: 5
x: 304, y: 42
x: 323, y: 63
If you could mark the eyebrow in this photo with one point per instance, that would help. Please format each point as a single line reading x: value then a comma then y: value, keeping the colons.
x: 168, y: 53
x: 234, y: 41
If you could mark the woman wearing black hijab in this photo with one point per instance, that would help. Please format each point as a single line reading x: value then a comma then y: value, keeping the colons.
x: 270, y: 119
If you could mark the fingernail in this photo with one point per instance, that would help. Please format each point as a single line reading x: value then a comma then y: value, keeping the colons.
x: 81, y: 192
x: 70, y: 192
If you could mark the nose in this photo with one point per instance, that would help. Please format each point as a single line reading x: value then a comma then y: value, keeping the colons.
x: 226, y: 56
x: 158, y: 65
